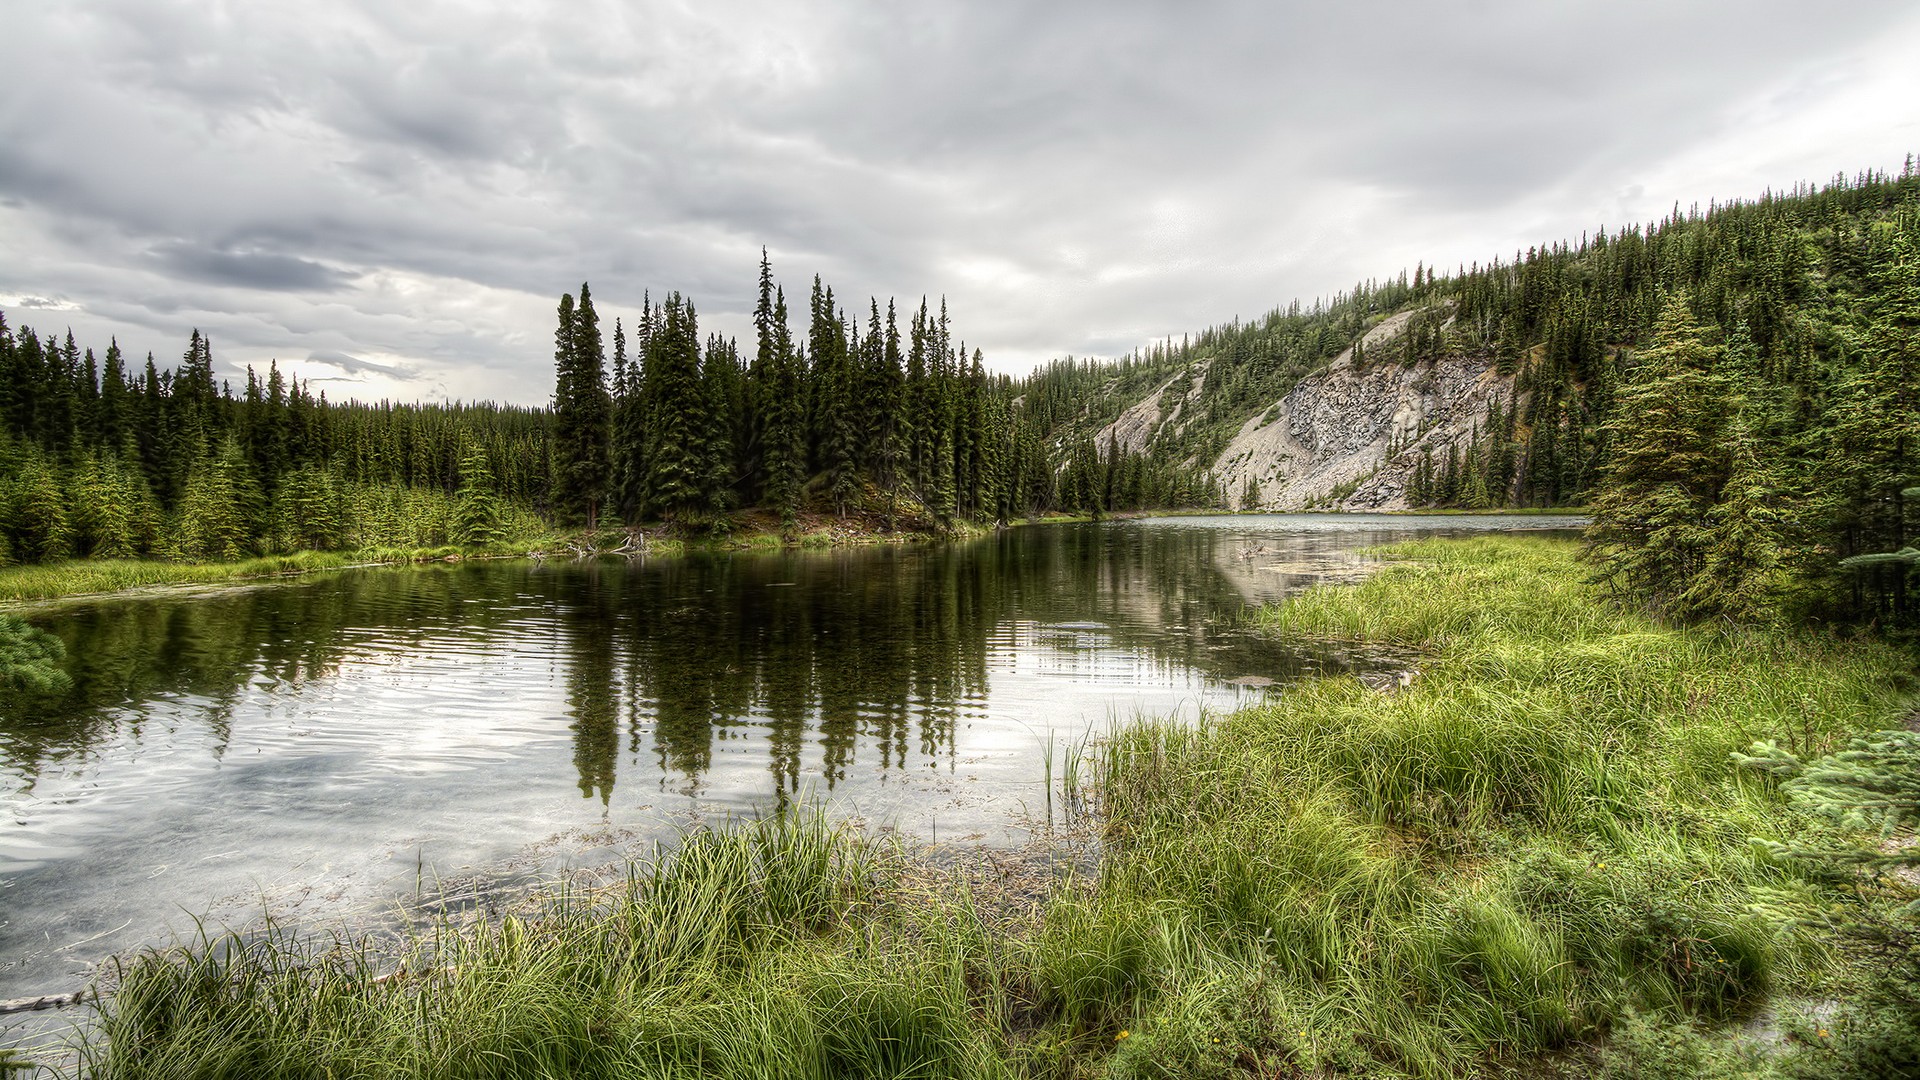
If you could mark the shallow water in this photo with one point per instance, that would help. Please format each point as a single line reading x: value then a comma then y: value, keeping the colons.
x: 319, y: 748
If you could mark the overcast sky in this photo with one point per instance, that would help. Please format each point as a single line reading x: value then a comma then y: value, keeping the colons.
x: 390, y: 198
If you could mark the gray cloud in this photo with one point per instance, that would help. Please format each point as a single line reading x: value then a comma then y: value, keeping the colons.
x: 250, y: 270
x: 353, y: 364
x: 420, y: 183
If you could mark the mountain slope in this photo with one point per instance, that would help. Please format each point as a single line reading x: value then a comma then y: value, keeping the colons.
x: 1495, y: 385
x: 1350, y: 437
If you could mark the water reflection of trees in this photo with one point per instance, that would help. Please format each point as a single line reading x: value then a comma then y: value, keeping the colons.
x: 877, y: 653
x: 828, y: 656
x: 833, y: 660
x: 206, y: 651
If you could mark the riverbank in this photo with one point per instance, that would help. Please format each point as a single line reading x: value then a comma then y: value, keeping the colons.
x: 744, y: 531
x: 1543, y: 832
x: 79, y: 578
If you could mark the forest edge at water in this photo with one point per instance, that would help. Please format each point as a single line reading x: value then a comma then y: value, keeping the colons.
x: 739, y: 531
x: 80, y: 578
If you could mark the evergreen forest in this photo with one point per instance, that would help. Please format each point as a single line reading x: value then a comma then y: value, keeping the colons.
x: 106, y: 457
x: 1729, y: 390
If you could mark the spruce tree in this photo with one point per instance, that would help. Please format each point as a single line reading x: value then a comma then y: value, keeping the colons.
x: 1873, y: 428
x: 105, y: 513
x: 677, y: 428
x: 211, y: 523
x: 581, y: 408
x: 476, y: 509
x: 888, y: 385
x: 111, y: 419
x: 720, y: 393
x: 834, y: 386
x: 308, y: 511
x: 785, y: 441
x: 631, y: 408
x: 916, y: 406
x: 1652, y: 525
x: 39, y: 518
x: 757, y: 393
x: 30, y: 659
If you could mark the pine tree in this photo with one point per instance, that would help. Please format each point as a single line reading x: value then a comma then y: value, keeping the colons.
x: 1652, y: 523
x: 785, y: 441
x: 476, y: 510
x: 677, y: 465
x: 581, y: 408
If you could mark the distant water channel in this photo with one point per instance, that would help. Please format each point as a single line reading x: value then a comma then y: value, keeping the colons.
x: 331, y: 745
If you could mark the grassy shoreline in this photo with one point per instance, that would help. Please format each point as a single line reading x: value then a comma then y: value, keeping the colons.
x: 80, y: 579
x: 1538, y: 841
x: 85, y: 578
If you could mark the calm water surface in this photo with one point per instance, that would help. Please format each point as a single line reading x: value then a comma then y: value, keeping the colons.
x: 335, y: 744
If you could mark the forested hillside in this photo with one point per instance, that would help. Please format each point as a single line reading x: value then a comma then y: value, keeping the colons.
x: 1731, y: 390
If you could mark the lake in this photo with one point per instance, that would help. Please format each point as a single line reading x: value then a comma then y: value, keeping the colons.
x: 330, y: 746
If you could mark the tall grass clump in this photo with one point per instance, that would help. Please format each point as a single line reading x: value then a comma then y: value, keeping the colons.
x: 1544, y: 832
x: 734, y: 955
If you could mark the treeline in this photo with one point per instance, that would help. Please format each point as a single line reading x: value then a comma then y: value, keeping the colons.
x: 1794, y: 275
x: 102, y: 458
x: 896, y: 424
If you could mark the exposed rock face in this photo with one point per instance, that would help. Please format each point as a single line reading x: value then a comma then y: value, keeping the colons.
x: 1142, y: 420
x: 1363, y: 431
x: 1347, y: 438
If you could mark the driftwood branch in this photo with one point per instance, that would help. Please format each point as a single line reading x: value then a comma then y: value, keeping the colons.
x: 46, y: 1001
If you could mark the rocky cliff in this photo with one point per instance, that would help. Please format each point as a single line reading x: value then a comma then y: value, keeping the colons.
x: 1351, y: 439
x: 1348, y: 437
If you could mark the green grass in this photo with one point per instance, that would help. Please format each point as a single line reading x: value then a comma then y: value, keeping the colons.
x: 1544, y: 833
x: 87, y: 576
x: 1541, y: 840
